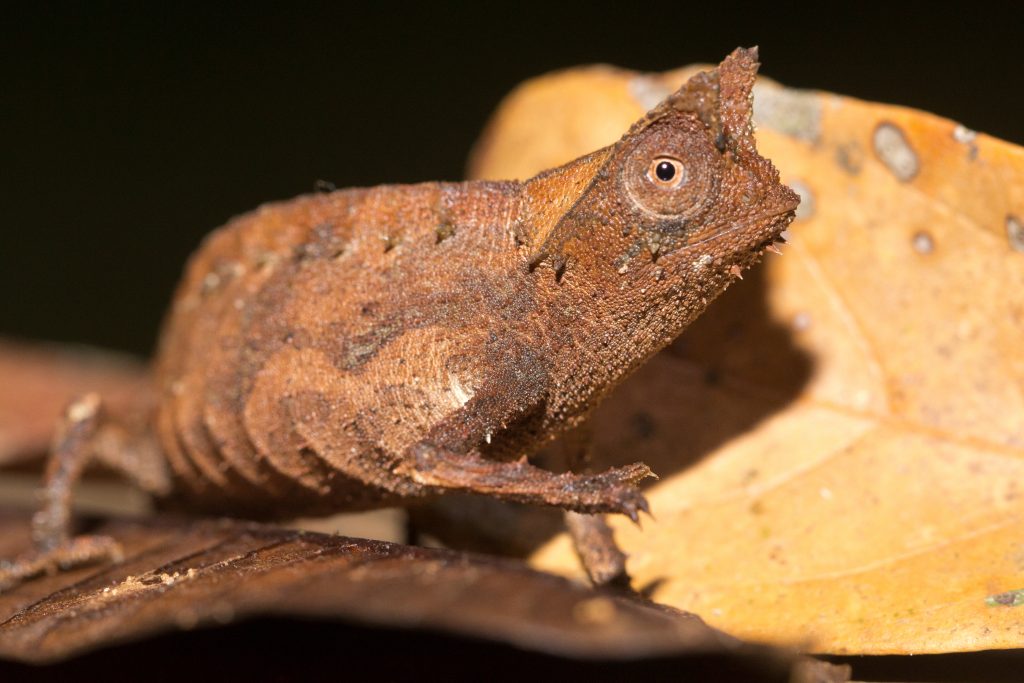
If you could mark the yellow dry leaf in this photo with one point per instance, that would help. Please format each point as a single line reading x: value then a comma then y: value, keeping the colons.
x: 841, y: 437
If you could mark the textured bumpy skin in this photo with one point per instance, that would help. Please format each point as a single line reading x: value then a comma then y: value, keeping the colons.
x: 376, y: 346
x: 315, y: 343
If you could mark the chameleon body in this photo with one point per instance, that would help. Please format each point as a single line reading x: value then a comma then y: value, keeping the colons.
x: 369, y: 347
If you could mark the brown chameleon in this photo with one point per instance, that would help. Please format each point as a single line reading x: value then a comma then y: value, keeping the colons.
x: 373, y: 347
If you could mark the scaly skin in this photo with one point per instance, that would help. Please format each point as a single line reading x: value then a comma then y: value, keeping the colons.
x: 370, y: 347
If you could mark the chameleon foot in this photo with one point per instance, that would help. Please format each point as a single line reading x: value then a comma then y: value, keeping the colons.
x: 595, y: 544
x: 73, y: 553
x: 610, y: 491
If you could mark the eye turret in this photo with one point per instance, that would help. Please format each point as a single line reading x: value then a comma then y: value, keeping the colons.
x: 673, y: 170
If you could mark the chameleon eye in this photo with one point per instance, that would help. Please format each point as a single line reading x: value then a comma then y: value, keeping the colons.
x: 667, y: 172
x: 672, y: 170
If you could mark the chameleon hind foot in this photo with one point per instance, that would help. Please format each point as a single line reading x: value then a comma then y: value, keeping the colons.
x: 55, y: 548
x: 72, y: 553
x: 595, y: 545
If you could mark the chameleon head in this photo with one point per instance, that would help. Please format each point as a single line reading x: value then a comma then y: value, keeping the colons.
x: 658, y: 224
x: 691, y: 176
x: 685, y: 185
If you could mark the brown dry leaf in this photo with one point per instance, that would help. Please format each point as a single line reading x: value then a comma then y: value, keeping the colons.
x: 181, y: 575
x: 841, y: 437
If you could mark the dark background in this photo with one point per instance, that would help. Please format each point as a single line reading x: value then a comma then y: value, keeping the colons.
x: 126, y: 135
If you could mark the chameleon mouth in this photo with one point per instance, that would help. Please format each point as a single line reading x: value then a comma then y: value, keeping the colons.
x: 774, y: 225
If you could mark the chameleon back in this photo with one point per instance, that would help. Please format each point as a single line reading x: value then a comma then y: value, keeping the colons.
x: 311, y: 341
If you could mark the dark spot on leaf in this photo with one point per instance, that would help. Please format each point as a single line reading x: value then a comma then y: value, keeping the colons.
x: 895, y: 152
x: 788, y: 111
x: 850, y: 157
x: 968, y: 137
x: 1015, y: 232
x: 807, y: 203
x: 1014, y: 598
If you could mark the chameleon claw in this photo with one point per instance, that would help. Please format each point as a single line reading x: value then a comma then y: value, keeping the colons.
x: 644, y: 506
x: 632, y: 514
x: 633, y: 505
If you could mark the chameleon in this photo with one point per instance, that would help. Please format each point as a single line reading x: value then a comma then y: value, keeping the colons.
x: 373, y: 347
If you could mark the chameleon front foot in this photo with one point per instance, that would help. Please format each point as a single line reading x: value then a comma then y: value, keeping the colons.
x: 613, y: 490
x: 72, y: 553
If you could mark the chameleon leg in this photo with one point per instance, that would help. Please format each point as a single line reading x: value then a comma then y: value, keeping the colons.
x: 51, y: 525
x: 595, y: 544
x: 613, y: 490
x: 592, y: 538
